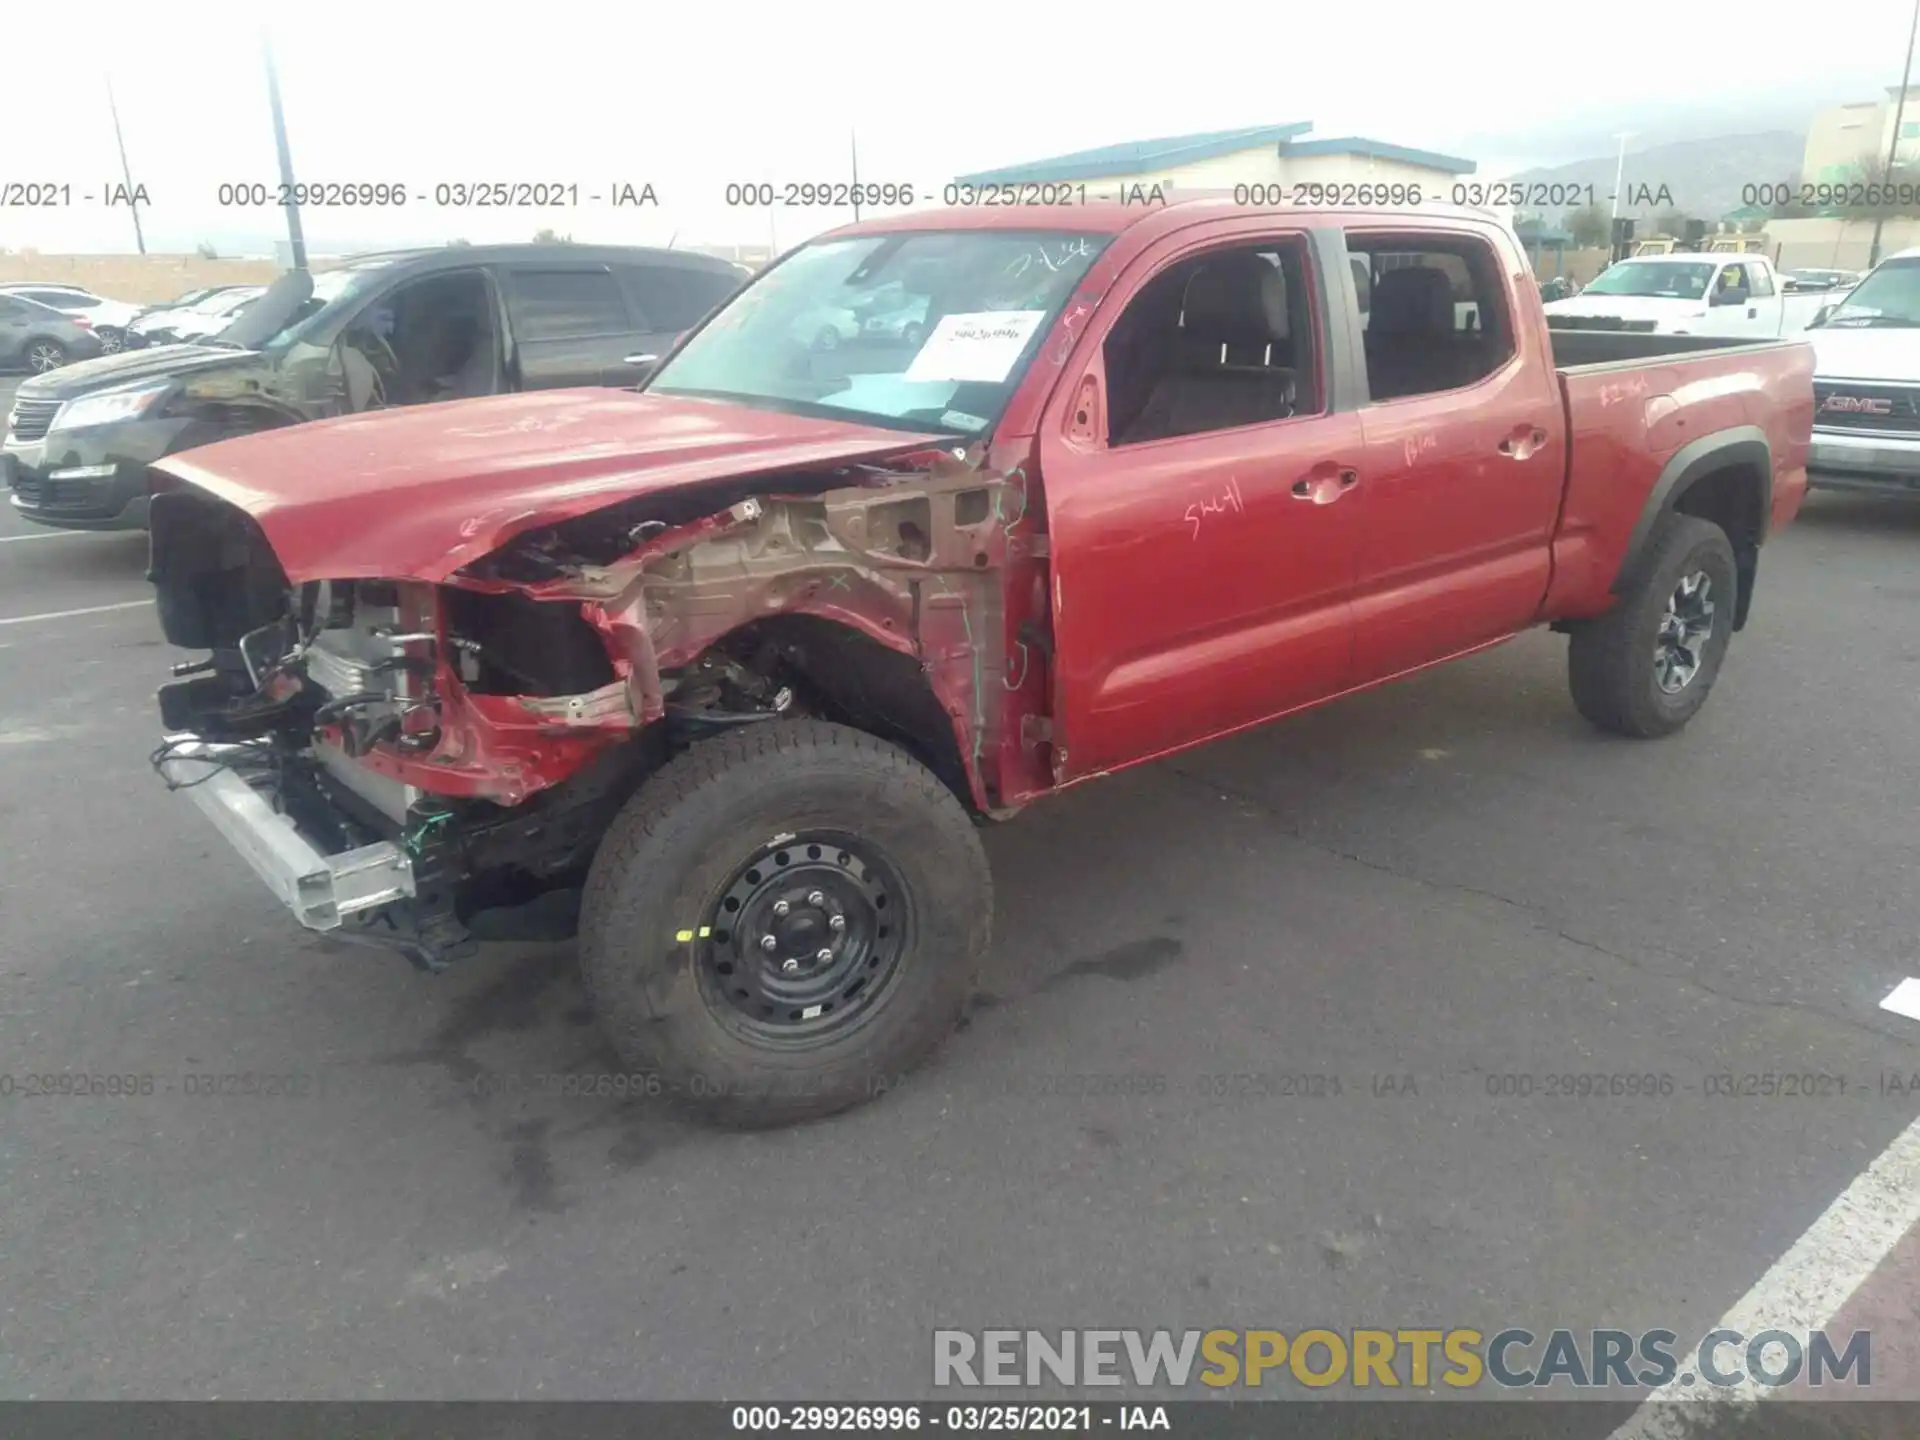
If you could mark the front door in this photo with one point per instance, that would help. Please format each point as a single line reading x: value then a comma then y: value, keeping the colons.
x: 1201, y: 496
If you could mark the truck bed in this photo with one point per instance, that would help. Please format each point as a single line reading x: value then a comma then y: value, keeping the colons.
x: 1578, y: 349
x: 1636, y: 406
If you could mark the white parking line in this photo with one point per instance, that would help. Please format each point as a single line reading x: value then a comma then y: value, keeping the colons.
x: 1805, y: 1288
x: 1905, y: 999
x: 48, y: 535
x: 69, y: 614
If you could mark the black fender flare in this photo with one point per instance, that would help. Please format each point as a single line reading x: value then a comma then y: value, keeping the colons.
x: 1742, y: 446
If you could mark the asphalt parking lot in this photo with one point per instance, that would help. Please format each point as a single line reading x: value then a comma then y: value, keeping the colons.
x: 1444, y: 883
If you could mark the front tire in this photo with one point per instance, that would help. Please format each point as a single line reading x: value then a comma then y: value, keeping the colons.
x: 1645, y: 668
x: 850, y: 857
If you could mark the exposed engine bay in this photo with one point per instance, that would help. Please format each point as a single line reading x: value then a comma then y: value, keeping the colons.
x: 490, y: 726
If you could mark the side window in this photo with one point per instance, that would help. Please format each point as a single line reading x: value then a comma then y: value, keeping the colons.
x: 1213, y: 342
x: 1438, y: 319
x: 1760, y: 278
x: 557, y: 304
x: 675, y: 297
x: 1733, y: 280
x: 59, y: 299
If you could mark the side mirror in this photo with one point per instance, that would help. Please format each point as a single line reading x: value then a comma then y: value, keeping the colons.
x: 645, y: 364
x: 1820, y: 315
x: 1729, y: 297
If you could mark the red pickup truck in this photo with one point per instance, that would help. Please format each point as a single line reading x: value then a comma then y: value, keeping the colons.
x: 942, y: 513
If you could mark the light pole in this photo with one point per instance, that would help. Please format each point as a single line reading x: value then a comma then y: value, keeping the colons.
x: 1893, y: 146
x: 299, y: 242
x: 125, y: 173
x: 853, y: 139
x: 1620, y: 168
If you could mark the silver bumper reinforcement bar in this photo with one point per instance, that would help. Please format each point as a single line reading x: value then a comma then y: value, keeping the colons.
x: 321, y: 890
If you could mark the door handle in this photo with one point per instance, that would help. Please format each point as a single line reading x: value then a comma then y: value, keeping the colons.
x: 1325, y: 485
x: 1523, y: 442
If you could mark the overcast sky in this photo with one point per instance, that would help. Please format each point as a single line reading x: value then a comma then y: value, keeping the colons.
x: 691, y: 96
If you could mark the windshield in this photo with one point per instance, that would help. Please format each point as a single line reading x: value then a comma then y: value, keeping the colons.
x: 925, y: 330
x: 1889, y: 298
x: 328, y: 286
x: 1683, y: 281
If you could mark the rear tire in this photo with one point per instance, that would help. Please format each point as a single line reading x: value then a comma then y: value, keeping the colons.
x: 44, y: 355
x: 688, y: 887
x: 1645, y: 668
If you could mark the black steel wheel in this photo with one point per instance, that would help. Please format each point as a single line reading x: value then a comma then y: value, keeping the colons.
x: 805, y: 940
x: 784, y: 921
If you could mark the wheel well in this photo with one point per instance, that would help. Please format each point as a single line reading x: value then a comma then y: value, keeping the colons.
x: 1731, y: 497
x: 845, y: 676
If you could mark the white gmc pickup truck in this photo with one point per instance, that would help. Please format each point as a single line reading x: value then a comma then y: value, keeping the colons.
x: 1866, y: 384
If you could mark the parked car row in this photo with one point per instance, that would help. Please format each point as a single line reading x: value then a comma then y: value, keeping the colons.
x: 193, y: 316
x: 106, y: 319
x: 37, y: 337
x: 391, y: 329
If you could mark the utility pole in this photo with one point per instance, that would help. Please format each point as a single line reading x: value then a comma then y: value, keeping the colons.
x: 854, y: 140
x: 298, y: 240
x: 1620, y: 169
x: 125, y: 174
x: 1893, y: 146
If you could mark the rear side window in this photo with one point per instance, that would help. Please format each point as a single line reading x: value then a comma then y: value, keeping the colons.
x: 552, y: 304
x: 59, y: 299
x: 673, y: 297
x: 1761, y: 278
x: 1438, y: 319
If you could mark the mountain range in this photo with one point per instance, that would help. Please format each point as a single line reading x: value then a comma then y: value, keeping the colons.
x: 1703, y: 179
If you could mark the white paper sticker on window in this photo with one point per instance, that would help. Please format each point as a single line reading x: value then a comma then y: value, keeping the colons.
x: 981, y: 346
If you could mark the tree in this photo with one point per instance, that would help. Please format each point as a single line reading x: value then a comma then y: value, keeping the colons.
x: 547, y: 237
x: 206, y: 251
x: 1589, y: 226
x: 1669, y: 222
x: 459, y: 240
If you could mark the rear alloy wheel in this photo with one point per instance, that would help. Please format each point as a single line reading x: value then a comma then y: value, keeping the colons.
x: 112, y: 342
x: 45, y: 355
x: 1645, y: 667
x: 785, y: 920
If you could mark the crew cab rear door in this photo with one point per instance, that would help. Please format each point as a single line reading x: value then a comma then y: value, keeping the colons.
x: 1466, y: 448
x: 1200, y: 460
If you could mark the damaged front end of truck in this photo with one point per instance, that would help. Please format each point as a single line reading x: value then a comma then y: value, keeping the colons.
x: 410, y: 759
